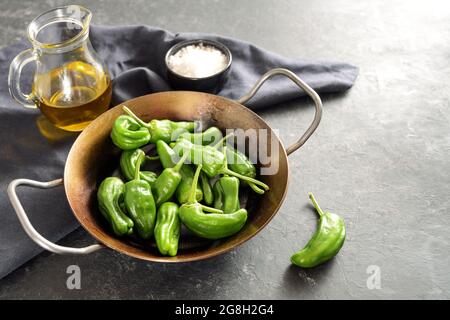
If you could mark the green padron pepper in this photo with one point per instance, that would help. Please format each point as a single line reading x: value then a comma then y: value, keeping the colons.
x: 110, y: 196
x: 165, y: 130
x: 128, y: 134
x: 187, y: 176
x: 325, y: 243
x: 226, y: 192
x: 210, y: 136
x: 240, y: 163
x: 128, y: 161
x: 167, y: 157
x: 168, y: 229
x: 167, y: 183
x: 213, y: 161
x: 140, y: 204
x: 214, y: 225
x: 208, y: 195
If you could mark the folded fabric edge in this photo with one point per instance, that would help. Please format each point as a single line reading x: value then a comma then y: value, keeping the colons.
x: 19, y: 263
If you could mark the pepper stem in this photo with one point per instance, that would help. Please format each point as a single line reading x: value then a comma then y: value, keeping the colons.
x: 221, y: 141
x: 192, y: 193
x: 245, y: 178
x: 256, y: 188
x: 151, y: 158
x: 225, y: 160
x: 211, y: 210
x: 137, y: 169
x: 315, y: 204
x: 135, y: 117
x: 182, y: 160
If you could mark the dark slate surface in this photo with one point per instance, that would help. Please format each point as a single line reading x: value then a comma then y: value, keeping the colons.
x: 379, y: 158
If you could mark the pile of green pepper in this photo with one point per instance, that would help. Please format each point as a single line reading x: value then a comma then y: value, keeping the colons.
x: 198, y: 186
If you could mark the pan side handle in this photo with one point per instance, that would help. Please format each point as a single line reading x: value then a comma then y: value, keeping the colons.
x: 28, y: 227
x: 302, y: 85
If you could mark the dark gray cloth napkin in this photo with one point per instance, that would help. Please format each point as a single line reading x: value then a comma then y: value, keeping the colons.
x: 135, y: 58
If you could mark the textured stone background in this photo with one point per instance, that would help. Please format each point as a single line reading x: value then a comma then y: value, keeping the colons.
x: 380, y: 157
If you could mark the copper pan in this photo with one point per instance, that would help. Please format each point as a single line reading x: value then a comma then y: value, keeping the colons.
x: 93, y: 157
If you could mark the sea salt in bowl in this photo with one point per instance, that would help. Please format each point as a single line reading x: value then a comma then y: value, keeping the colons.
x: 198, y: 65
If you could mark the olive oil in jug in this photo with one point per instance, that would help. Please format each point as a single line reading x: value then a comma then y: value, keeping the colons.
x: 72, y: 95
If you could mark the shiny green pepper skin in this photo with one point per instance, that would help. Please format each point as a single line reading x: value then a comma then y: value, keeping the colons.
x: 215, y: 225
x: 167, y: 183
x: 128, y: 134
x: 212, y: 225
x: 139, y: 203
x: 166, y: 156
x: 110, y: 195
x: 212, y: 160
x: 210, y: 136
x: 238, y: 162
x: 187, y: 176
x: 141, y: 207
x: 168, y: 229
x: 167, y: 130
x: 207, y: 190
x: 226, y: 194
x: 128, y: 161
x: 325, y: 243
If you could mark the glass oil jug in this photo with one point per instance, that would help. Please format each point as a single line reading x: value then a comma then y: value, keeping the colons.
x: 71, y: 85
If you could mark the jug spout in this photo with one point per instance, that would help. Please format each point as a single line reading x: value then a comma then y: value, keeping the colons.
x: 84, y: 13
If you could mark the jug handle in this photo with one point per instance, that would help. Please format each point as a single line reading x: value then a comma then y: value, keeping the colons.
x: 302, y: 85
x: 15, y: 70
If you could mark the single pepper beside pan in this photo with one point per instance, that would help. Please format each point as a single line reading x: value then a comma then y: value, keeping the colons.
x: 166, y: 156
x: 110, y: 196
x: 167, y: 183
x: 128, y: 161
x: 167, y: 229
x: 325, y: 243
x: 165, y: 130
x: 214, y: 225
x: 128, y: 134
x: 139, y: 203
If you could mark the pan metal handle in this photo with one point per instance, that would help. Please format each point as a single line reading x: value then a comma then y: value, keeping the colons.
x: 305, y: 87
x: 28, y: 227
